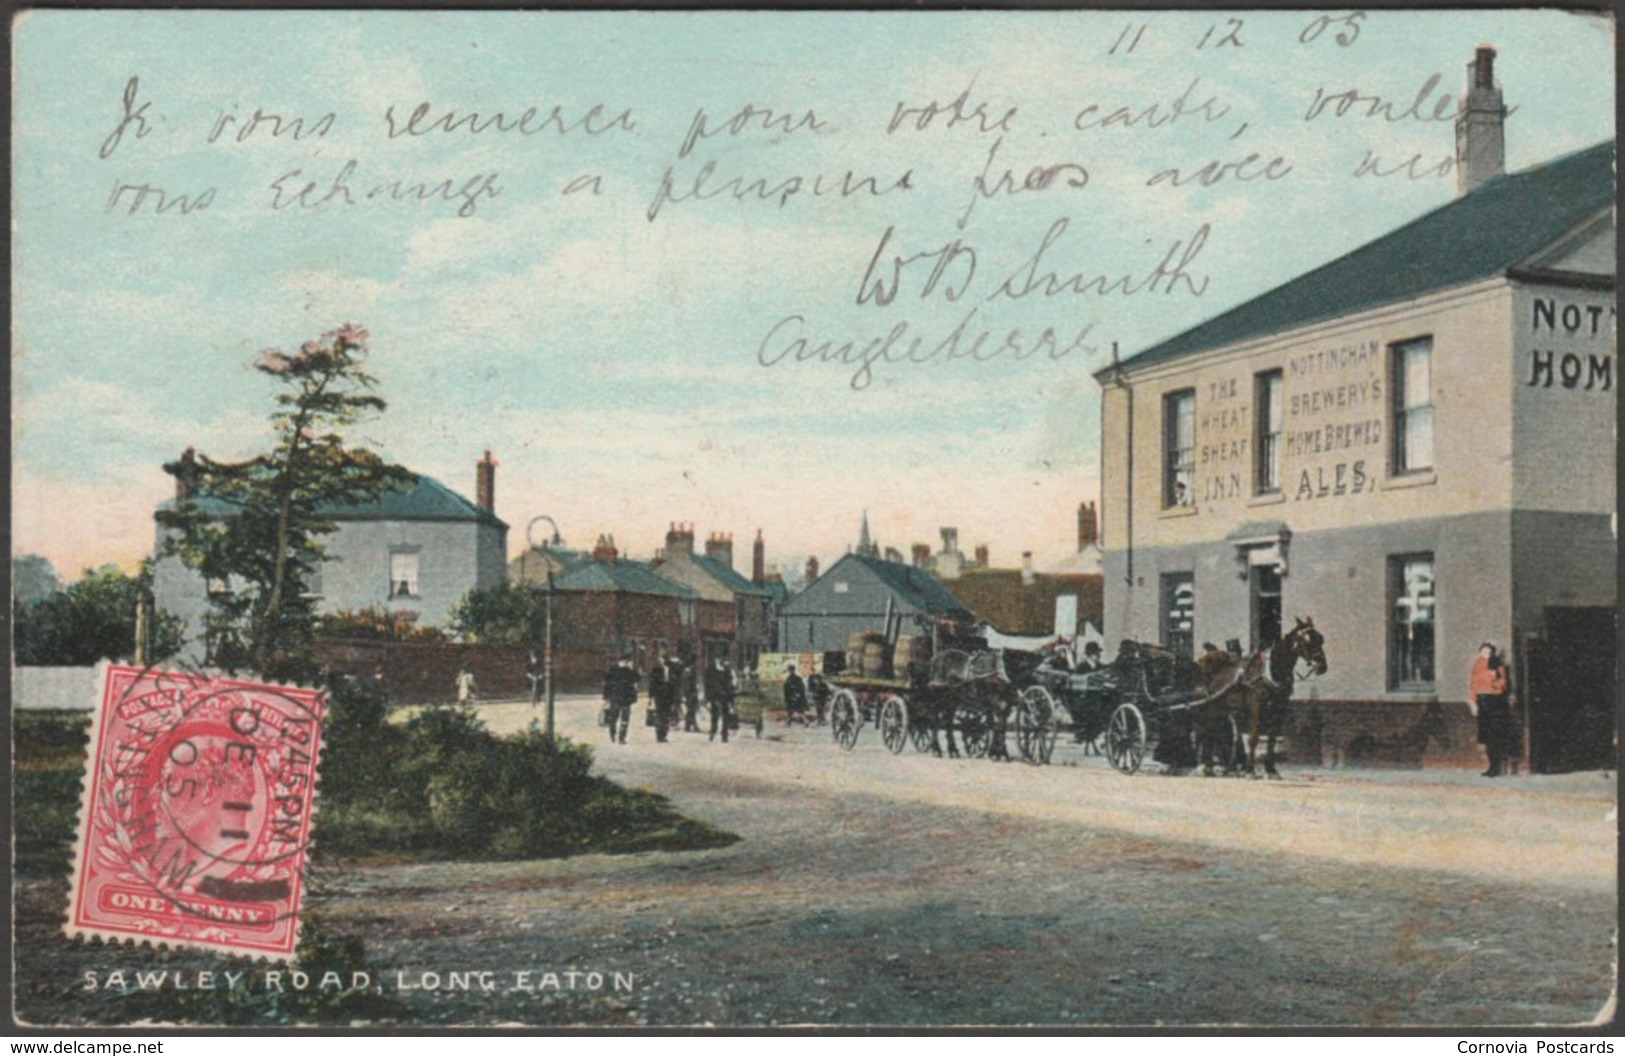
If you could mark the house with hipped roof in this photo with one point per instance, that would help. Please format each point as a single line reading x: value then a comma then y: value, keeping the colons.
x: 414, y: 551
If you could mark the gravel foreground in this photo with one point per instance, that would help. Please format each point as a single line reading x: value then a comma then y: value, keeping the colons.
x: 869, y: 889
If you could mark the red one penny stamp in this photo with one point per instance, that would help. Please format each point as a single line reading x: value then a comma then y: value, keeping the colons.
x: 195, y: 825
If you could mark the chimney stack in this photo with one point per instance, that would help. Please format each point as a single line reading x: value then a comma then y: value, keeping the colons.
x: 1088, y: 526
x: 1481, y: 146
x: 922, y: 554
x: 981, y: 554
x: 1027, y: 576
x: 679, y: 540
x: 485, y: 483
x: 758, y: 560
x: 812, y: 569
x: 950, y: 540
x: 605, y: 550
x: 894, y: 555
x: 719, y: 547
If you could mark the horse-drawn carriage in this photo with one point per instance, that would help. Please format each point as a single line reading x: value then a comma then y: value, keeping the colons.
x: 1209, y: 712
x: 917, y: 689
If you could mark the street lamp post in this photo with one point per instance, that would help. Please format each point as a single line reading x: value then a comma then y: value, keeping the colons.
x: 547, y: 654
x: 548, y: 678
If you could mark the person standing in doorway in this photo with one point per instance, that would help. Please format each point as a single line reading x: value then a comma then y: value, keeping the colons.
x: 1487, y: 691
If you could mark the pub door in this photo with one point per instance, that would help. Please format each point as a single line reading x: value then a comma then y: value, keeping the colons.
x: 1264, y: 589
x: 1570, y: 691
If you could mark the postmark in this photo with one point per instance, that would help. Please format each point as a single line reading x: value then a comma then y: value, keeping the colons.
x: 195, y: 825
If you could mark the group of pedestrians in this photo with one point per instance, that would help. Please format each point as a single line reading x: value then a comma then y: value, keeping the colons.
x: 801, y: 693
x: 673, y: 689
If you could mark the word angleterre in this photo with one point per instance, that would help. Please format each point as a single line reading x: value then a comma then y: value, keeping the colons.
x: 787, y: 341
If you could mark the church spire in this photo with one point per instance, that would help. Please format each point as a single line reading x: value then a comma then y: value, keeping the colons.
x: 866, y: 546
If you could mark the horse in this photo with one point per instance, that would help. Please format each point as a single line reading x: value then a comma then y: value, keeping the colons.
x: 975, y: 687
x: 1261, y: 687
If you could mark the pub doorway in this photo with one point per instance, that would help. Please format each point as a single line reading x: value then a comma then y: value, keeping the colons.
x: 1569, y: 691
x: 1264, y: 591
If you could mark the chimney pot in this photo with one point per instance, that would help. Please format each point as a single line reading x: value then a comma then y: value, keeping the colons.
x: 485, y: 483
x: 1480, y: 125
x: 1027, y: 575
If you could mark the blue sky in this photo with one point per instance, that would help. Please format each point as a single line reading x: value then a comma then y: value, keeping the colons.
x: 612, y: 363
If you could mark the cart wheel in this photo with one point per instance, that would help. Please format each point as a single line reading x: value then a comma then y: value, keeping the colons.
x: 844, y: 718
x: 894, y: 724
x: 1036, y: 726
x: 1125, y: 738
x: 971, y: 719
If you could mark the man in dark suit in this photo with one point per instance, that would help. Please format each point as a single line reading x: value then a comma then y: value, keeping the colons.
x: 795, y: 697
x: 620, y: 693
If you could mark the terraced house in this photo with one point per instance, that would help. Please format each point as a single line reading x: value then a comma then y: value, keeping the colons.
x: 1414, y: 445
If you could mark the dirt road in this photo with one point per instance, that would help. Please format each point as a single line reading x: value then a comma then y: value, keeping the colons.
x: 913, y: 890
x: 909, y: 890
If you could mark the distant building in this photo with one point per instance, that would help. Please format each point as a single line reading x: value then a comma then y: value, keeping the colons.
x: 1029, y: 603
x: 854, y: 595
x: 416, y: 550
x: 1414, y: 444
x: 611, y: 607
x: 733, y: 613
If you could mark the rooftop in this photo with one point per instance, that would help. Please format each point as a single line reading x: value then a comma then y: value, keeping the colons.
x: 424, y: 499
x: 1506, y: 222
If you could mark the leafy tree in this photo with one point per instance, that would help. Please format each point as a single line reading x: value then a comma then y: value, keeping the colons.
x: 92, y: 620
x: 506, y: 614
x: 33, y: 577
x: 257, y: 526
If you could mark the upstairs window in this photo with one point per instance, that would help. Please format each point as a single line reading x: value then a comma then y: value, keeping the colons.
x: 403, y: 573
x: 1413, y: 406
x: 1179, y: 449
x: 1267, y: 441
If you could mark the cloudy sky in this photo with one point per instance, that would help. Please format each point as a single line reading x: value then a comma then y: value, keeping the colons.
x: 631, y: 356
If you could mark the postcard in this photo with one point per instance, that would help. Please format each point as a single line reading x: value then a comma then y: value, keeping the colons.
x: 815, y: 520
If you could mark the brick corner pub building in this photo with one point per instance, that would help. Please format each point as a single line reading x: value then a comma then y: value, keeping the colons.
x: 1413, y: 444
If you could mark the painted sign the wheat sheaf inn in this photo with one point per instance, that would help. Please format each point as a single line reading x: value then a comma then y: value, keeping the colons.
x: 611, y: 519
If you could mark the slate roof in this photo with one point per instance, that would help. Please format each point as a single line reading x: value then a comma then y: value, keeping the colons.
x: 621, y: 577
x: 1503, y: 223
x: 914, y: 585
x: 725, y: 575
x: 425, y: 499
